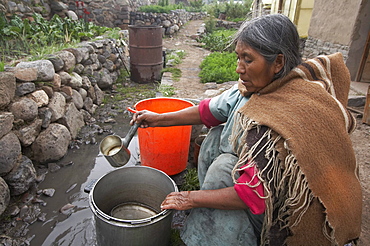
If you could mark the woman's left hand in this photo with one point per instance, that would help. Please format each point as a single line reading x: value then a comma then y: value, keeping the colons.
x: 177, y: 200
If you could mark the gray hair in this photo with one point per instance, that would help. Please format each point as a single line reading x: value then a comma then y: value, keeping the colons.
x: 271, y: 35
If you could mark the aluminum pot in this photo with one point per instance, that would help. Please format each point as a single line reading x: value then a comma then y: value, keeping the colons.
x: 126, y: 207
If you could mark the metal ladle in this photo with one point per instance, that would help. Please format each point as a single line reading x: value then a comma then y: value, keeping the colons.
x: 115, y: 149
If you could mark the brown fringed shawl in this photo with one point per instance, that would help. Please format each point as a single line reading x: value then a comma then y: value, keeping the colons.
x: 311, y: 185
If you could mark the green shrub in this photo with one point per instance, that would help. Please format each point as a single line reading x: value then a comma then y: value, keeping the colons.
x: 230, y: 9
x: 166, y: 90
x: 219, y: 40
x: 177, y: 56
x: 176, y: 73
x: 218, y: 67
x: 159, y: 8
x: 210, y: 24
x: 19, y: 37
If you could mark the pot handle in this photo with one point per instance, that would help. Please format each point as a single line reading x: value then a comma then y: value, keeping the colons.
x: 142, y: 221
x: 103, y: 215
x: 146, y: 220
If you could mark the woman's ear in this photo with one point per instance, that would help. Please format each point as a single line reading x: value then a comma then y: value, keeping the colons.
x: 279, y: 63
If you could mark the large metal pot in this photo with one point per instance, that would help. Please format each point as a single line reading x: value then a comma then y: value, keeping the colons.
x: 126, y: 207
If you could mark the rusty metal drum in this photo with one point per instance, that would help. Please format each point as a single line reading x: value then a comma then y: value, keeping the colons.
x: 146, y: 59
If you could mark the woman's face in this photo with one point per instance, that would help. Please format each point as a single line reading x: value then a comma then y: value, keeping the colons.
x: 253, y: 69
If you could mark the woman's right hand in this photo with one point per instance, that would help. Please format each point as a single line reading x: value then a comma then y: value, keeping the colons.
x: 146, y: 118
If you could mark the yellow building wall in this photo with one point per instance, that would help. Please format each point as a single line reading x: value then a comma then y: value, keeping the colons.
x: 298, y: 11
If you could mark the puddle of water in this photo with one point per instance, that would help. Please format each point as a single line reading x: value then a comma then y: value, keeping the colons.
x: 76, y: 228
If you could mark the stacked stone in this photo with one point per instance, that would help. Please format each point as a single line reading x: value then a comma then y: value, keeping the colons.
x: 171, y: 23
x: 24, y: 9
x: 45, y: 103
x: 229, y: 24
x: 315, y: 47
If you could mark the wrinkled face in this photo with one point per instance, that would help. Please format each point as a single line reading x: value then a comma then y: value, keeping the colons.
x: 254, y: 71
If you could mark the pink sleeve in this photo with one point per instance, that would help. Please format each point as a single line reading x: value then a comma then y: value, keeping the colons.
x: 248, y: 194
x: 206, y: 115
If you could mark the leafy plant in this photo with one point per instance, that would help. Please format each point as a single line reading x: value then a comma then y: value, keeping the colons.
x: 218, y: 40
x: 2, y: 66
x: 191, y: 181
x: 166, y: 90
x: 19, y: 38
x: 176, y: 56
x: 210, y: 24
x: 218, y: 67
x: 231, y: 9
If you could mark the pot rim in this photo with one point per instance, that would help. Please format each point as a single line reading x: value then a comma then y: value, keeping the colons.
x: 95, y: 209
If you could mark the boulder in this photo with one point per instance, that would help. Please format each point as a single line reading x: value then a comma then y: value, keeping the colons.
x: 21, y: 177
x: 28, y: 134
x: 68, y: 58
x: 57, y: 82
x: 10, y: 152
x: 58, y: 62
x: 104, y: 81
x: 72, y: 15
x: 76, y: 81
x: 40, y: 97
x: 77, y: 98
x: 57, y: 105
x: 4, y: 195
x: 25, y: 109
x: 26, y: 73
x: 65, y: 77
x: 25, y: 88
x: 45, y: 69
x: 45, y: 115
x: 7, y: 88
x: 99, y: 95
x: 51, y: 144
x: 6, y: 123
x: 72, y: 119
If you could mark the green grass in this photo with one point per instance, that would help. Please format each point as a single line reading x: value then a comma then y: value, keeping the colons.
x: 137, y: 92
x: 191, y: 181
x: 177, y: 56
x: 166, y: 90
x: 176, y: 73
x: 218, y: 67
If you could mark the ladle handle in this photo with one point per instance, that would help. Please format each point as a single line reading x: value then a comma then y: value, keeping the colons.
x: 130, y: 134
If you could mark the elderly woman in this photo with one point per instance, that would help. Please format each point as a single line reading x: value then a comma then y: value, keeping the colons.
x: 281, y: 169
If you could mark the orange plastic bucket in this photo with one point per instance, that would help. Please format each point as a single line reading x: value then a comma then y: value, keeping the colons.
x: 164, y: 148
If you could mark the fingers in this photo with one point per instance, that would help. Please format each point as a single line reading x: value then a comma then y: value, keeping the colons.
x: 177, y: 200
x: 139, y: 117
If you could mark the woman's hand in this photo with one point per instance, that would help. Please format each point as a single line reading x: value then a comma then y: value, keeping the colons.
x: 186, y: 116
x: 177, y: 200
x: 225, y: 198
x: 146, y: 118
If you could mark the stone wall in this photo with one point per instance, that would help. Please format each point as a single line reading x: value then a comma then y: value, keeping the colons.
x: 314, y: 47
x: 109, y: 13
x: 171, y: 23
x: 45, y: 103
